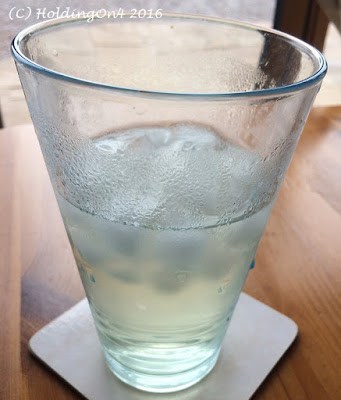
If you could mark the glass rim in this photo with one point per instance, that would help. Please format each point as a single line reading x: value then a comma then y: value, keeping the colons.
x: 310, y: 81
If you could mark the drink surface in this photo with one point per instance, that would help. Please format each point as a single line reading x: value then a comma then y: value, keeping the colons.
x: 163, y: 268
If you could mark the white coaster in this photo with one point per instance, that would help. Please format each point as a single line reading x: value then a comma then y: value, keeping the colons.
x: 257, y: 338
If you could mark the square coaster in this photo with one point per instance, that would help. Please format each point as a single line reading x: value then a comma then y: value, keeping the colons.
x: 257, y: 338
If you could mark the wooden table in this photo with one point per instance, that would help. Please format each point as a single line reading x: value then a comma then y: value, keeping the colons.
x: 298, y: 267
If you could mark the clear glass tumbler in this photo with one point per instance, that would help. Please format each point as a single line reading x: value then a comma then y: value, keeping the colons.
x: 166, y: 140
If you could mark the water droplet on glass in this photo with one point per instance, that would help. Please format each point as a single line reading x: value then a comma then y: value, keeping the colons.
x: 181, y: 276
x: 55, y: 52
x: 188, y: 146
x: 224, y: 286
x: 140, y: 110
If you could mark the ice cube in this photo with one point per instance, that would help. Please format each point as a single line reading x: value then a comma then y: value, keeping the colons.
x: 181, y: 249
x: 176, y: 176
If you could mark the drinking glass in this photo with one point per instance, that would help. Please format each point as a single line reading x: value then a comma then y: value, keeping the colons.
x: 166, y: 140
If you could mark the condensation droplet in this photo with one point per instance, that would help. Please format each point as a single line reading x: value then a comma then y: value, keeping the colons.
x: 188, y: 146
x: 140, y: 110
x: 55, y: 52
x: 181, y: 276
x: 224, y: 286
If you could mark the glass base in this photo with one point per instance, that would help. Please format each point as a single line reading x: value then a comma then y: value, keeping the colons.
x: 161, y: 383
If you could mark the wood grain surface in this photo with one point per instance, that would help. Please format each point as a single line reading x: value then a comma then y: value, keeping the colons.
x: 298, y: 266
